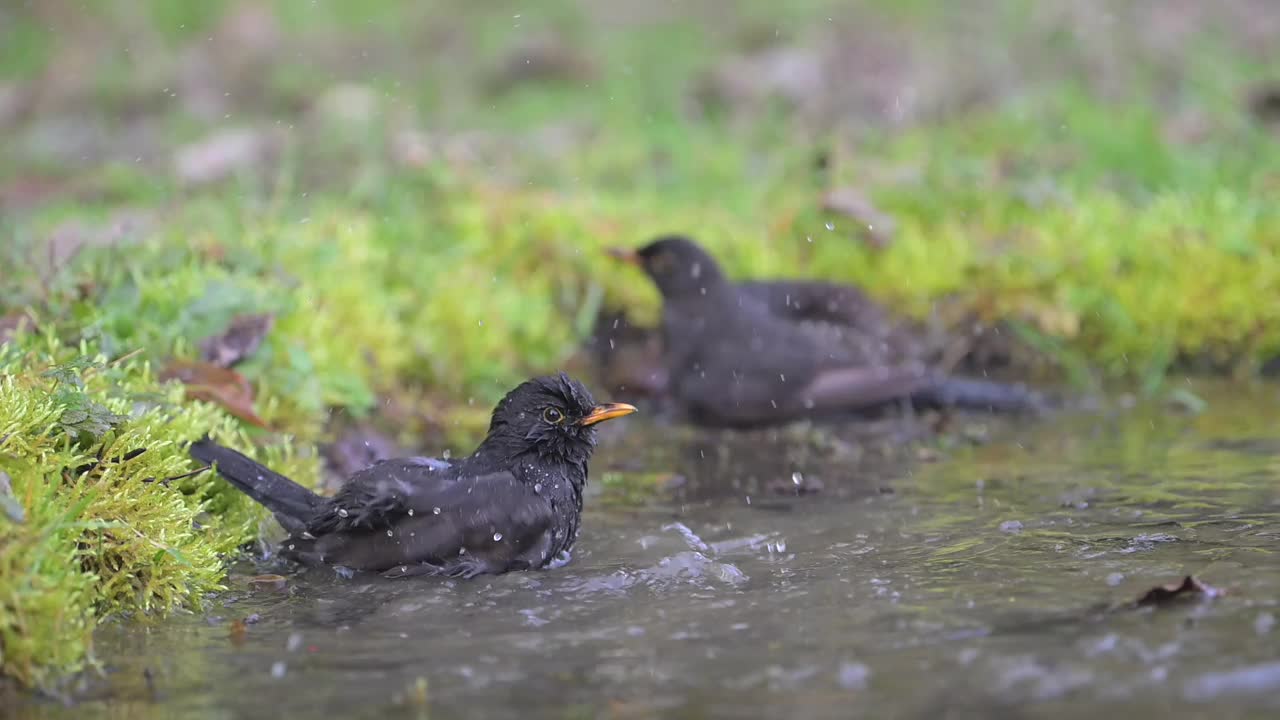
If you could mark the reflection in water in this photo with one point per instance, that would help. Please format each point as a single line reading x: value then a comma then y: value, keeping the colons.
x: 980, y: 585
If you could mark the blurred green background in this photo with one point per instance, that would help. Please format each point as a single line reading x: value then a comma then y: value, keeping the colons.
x: 419, y: 193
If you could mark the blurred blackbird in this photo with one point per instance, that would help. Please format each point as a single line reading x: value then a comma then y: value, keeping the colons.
x: 756, y: 353
x: 513, y: 504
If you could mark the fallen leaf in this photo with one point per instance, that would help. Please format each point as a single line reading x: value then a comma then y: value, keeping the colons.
x: 239, y: 632
x: 268, y: 582
x: 1188, y: 588
x: 218, y: 385
x: 877, y: 227
x: 241, y: 339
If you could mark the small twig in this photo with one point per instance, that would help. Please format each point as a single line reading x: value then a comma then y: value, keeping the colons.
x: 165, y: 481
x: 126, y: 356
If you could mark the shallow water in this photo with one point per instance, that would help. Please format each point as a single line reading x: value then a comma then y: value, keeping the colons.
x: 976, y: 580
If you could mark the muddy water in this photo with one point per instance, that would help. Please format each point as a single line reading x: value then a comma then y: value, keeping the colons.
x: 976, y: 579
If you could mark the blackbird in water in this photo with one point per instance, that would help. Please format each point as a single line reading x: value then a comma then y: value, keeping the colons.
x: 513, y: 504
x: 762, y: 352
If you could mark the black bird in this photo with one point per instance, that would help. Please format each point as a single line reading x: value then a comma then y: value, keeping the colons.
x: 762, y: 352
x: 513, y: 504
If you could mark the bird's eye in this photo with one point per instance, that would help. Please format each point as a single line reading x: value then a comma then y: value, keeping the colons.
x: 553, y: 416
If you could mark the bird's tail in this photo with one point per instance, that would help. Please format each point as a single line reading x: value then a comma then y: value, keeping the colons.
x: 977, y: 394
x: 292, y: 504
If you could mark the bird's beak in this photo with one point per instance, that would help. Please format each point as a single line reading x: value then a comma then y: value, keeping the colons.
x: 626, y: 255
x: 608, y: 411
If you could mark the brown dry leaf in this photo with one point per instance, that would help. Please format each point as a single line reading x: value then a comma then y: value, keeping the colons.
x: 878, y: 227
x: 1188, y: 588
x: 239, y: 632
x: 268, y: 582
x: 217, y: 385
x: 241, y: 339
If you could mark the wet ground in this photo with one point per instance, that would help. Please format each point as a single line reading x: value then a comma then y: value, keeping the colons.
x: 987, y: 578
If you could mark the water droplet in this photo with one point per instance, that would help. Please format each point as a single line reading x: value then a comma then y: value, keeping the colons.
x: 342, y: 512
x: 462, y: 551
x: 797, y: 478
x: 435, y: 511
x: 537, y: 487
x: 497, y: 537
x: 390, y: 533
x: 410, y: 512
x: 831, y: 226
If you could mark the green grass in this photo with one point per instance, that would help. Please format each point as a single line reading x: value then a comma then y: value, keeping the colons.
x: 1077, y: 219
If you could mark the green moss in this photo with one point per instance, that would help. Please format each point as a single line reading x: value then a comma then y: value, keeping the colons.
x: 100, y: 535
x: 1118, y: 250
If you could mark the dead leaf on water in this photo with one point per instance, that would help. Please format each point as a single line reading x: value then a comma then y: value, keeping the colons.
x: 239, y: 632
x: 217, y: 385
x: 240, y: 340
x: 268, y: 582
x: 1188, y: 588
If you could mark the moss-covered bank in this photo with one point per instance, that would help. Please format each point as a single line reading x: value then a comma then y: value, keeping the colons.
x: 415, y: 284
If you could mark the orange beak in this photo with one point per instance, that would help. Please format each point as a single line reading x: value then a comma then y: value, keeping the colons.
x: 608, y: 411
x: 626, y: 255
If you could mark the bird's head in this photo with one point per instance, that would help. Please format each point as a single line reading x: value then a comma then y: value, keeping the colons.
x: 678, y: 266
x: 553, y: 416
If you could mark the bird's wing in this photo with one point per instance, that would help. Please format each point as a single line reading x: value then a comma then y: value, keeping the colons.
x: 816, y: 301
x: 378, y: 494
x: 399, y: 513
x: 848, y: 327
